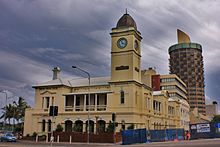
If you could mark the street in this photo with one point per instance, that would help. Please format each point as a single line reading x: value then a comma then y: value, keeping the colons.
x: 191, y: 143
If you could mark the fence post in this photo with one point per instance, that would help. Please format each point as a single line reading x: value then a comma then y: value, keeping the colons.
x: 47, y: 138
x: 70, y: 139
x: 58, y: 138
x: 36, y: 138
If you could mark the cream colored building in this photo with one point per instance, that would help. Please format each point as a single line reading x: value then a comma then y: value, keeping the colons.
x: 212, y: 109
x: 177, y: 92
x: 126, y: 93
x: 176, y: 89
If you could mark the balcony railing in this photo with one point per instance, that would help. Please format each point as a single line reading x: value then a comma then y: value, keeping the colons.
x: 69, y: 108
x: 101, y: 107
x: 92, y: 108
x: 81, y: 108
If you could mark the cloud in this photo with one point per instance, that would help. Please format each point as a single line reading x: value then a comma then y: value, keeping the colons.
x: 35, y: 36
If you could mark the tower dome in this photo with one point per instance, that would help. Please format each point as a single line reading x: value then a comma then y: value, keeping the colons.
x: 126, y: 21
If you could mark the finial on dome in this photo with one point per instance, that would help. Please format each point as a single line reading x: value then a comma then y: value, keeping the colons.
x: 126, y: 11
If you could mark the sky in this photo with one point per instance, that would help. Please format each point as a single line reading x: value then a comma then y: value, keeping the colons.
x: 38, y: 35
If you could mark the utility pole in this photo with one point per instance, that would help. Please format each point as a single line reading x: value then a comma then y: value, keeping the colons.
x: 88, y: 122
x: 51, y: 137
x: 6, y: 101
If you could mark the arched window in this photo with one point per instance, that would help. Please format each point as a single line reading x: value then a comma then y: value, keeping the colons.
x: 78, y: 126
x: 122, y: 97
x: 43, y: 125
x: 91, y: 126
x: 49, y: 125
x: 68, y: 126
x: 101, y: 126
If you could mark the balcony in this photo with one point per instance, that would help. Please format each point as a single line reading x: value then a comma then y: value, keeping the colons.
x: 81, y: 108
x: 92, y: 108
x: 81, y: 102
x: 69, y: 108
x: 101, y: 108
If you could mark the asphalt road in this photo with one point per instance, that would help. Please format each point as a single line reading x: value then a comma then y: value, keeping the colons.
x: 191, y: 143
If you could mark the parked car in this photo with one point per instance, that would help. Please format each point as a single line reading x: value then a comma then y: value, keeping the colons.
x: 9, y: 137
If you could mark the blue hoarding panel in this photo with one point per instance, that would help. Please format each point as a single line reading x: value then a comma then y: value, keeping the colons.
x: 134, y: 136
x: 157, y: 135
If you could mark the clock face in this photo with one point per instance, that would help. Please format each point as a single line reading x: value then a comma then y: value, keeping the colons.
x: 122, y: 43
x: 136, y: 44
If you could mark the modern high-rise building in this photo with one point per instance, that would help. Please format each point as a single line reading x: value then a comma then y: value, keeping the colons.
x: 186, y: 61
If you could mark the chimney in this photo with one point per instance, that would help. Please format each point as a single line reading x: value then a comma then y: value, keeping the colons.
x: 56, y: 73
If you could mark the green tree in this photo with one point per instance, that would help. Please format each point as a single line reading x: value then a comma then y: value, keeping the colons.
x: 21, y: 105
x: 59, y: 128
x: 9, y: 112
x: 110, y: 128
x: 216, y: 118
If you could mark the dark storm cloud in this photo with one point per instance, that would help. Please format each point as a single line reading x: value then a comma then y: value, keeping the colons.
x: 37, y: 35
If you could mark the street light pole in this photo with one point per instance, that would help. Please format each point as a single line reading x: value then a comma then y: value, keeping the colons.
x: 88, y: 129
x: 6, y: 101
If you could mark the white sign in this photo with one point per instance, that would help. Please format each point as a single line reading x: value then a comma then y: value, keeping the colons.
x: 203, y: 128
x: 193, y: 127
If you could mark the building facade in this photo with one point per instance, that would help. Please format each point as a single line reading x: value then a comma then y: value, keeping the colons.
x: 125, y: 93
x: 186, y: 61
x: 176, y: 89
x: 212, y: 109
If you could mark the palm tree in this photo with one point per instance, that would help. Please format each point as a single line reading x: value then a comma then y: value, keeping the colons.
x: 21, y: 105
x: 8, y: 112
x: 15, y: 111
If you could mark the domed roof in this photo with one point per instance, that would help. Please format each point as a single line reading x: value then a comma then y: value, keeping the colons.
x: 126, y: 21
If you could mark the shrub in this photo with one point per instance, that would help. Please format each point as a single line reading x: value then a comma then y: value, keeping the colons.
x: 110, y: 128
x: 59, y: 128
x: 34, y: 134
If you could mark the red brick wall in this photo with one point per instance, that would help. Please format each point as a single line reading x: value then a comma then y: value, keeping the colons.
x: 82, y: 137
x: 156, y: 82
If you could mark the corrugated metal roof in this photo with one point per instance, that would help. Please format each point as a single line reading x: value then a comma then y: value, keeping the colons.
x: 93, y: 92
x: 75, y: 82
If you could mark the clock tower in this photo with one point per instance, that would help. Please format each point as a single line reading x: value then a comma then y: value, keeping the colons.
x: 125, y: 51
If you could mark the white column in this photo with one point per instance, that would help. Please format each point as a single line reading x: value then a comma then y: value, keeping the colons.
x: 84, y: 108
x: 84, y: 127
x: 74, y: 103
x: 95, y: 128
x: 50, y: 102
x: 95, y: 102
x: 64, y: 102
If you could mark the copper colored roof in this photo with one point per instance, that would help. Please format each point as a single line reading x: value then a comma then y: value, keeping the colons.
x: 126, y: 21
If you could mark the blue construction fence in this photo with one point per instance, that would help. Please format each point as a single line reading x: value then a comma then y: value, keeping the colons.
x: 143, y: 135
x: 166, y: 135
x: 134, y: 136
x: 205, y: 130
